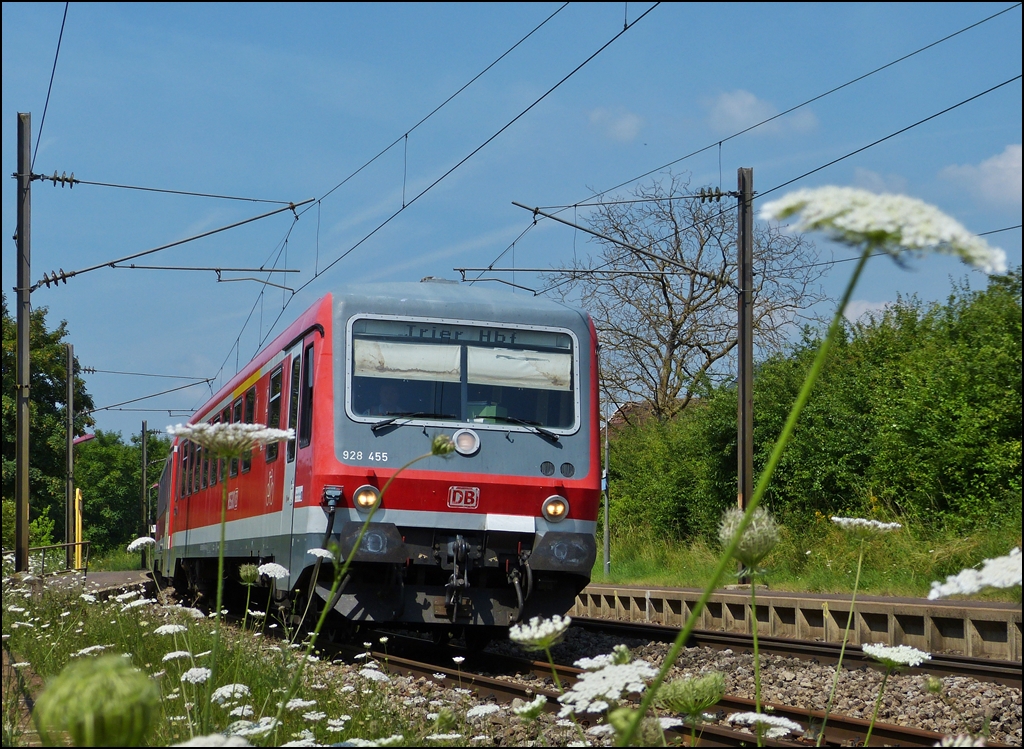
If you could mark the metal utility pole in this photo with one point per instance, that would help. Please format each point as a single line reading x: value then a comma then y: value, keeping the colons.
x: 24, y: 313
x: 604, y: 486
x: 69, y: 489
x: 145, y: 491
x: 745, y: 380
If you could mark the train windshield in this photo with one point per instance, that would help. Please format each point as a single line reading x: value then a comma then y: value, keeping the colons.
x: 465, y: 373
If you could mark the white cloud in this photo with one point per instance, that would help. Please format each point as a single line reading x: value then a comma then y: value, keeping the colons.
x: 997, y: 179
x: 858, y: 308
x: 737, y: 110
x: 879, y: 183
x: 619, y: 125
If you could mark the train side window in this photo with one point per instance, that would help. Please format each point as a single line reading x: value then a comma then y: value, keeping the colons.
x: 183, y: 472
x: 293, y: 404
x: 250, y: 415
x: 197, y: 481
x: 236, y: 418
x: 306, y: 399
x: 274, y: 410
x: 225, y: 418
x: 191, y: 466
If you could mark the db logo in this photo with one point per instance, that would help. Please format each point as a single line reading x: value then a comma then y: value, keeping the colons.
x: 463, y: 497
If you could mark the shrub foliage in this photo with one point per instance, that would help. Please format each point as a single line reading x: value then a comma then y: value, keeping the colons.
x: 918, y: 413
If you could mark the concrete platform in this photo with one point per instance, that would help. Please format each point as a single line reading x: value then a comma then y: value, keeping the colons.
x: 973, y: 628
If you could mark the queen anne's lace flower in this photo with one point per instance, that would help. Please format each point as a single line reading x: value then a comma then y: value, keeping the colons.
x: 540, y: 633
x: 862, y: 528
x: 480, y: 711
x: 887, y: 222
x: 322, y: 553
x: 230, y: 440
x: 170, y: 629
x: 373, y: 674
x: 274, y: 570
x: 196, y: 675
x: 774, y: 726
x: 961, y: 741
x: 1001, y: 572
x: 593, y: 691
x: 759, y: 537
x: 530, y: 710
x: 175, y: 655
x: 230, y: 692
x: 895, y: 656
x: 141, y: 543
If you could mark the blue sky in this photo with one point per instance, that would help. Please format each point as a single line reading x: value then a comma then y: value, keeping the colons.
x: 284, y: 102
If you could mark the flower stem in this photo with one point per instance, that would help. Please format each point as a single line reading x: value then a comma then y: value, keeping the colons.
x: 755, y: 500
x: 842, y: 650
x: 215, y: 654
x: 757, y: 659
x: 878, y: 704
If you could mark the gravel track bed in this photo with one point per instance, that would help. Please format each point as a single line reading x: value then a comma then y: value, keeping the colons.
x: 964, y: 705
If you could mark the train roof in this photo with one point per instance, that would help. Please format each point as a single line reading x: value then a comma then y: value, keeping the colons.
x: 439, y: 299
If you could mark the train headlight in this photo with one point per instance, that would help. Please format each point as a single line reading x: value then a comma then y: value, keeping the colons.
x: 366, y: 498
x: 555, y: 508
x: 467, y: 442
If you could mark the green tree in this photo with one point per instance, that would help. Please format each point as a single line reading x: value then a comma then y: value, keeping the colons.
x: 109, y: 473
x: 917, y: 412
x: 47, y: 415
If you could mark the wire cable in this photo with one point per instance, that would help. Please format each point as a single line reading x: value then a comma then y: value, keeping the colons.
x: 818, y: 169
x: 49, y: 88
x: 476, y: 150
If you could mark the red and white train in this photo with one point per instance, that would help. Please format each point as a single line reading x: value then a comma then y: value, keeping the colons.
x: 499, y: 531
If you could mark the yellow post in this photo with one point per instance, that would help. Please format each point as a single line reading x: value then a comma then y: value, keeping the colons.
x: 78, y: 528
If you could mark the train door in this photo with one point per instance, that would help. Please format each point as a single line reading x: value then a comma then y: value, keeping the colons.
x: 293, y: 378
x: 299, y: 457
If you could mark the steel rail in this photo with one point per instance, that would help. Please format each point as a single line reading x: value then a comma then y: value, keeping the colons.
x: 1007, y: 673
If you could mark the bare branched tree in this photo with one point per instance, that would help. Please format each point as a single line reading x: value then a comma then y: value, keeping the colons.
x: 667, y: 315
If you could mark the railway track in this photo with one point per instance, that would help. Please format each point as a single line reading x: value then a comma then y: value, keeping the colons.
x: 504, y: 678
x: 983, y: 669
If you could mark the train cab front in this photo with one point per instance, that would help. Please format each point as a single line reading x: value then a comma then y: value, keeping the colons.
x: 422, y: 567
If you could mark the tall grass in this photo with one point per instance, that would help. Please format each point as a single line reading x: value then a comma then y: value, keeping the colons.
x: 817, y: 558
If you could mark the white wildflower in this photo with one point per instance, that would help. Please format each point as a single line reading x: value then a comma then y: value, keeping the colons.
x: 900, y: 655
x: 265, y: 725
x: 443, y: 736
x: 440, y: 677
x: 256, y: 614
x: 141, y: 543
x: 21, y: 664
x: 539, y: 633
x: 373, y: 674
x: 196, y: 675
x: 774, y: 726
x: 480, y: 711
x: 1001, y: 572
x: 595, y: 689
x: 602, y: 730
x: 667, y: 724
x: 215, y: 739
x: 458, y: 660
x: 321, y: 553
x: 530, y: 710
x: 336, y: 725
x: 274, y: 570
x: 127, y: 595
x: 383, y: 640
x: 230, y: 440
x: 297, y: 703
x: 88, y: 597
x: 887, y: 222
x: 960, y: 741
x: 230, y: 692
x: 137, y: 602
x: 170, y: 629
x: 314, y: 716
x: 242, y: 711
x: 89, y: 650
x: 862, y: 528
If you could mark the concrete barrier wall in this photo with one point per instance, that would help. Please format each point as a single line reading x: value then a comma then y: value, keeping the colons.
x: 980, y: 629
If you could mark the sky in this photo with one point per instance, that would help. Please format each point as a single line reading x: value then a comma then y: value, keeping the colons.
x: 338, y: 104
